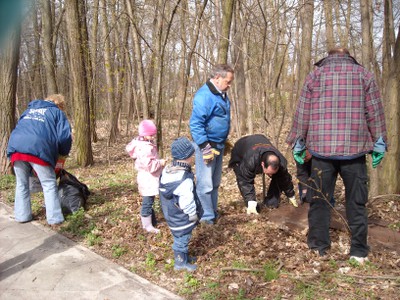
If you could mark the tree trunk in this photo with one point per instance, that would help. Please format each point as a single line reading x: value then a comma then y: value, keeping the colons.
x: 138, y: 60
x: 84, y: 154
x: 185, y: 76
x: 91, y: 69
x: 367, y: 63
x: 306, y: 42
x: 223, y: 45
x: 330, y: 41
x: 389, y: 180
x: 239, y: 83
x: 48, y: 53
x: 9, y: 59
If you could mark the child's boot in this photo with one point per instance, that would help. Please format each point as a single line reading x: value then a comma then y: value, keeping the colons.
x: 153, y: 218
x: 181, y: 262
x: 146, y: 223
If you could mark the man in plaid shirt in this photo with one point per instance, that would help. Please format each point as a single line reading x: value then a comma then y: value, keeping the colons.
x: 339, y: 119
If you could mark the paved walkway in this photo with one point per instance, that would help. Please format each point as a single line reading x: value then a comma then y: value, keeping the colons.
x: 38, y: 263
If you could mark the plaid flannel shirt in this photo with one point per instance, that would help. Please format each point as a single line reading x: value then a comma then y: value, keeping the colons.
x: 340, y: 111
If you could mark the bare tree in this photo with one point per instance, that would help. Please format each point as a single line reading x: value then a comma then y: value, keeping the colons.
x: 223, y: 44
x: 48, y: 53
x: 330, y: 41
x: 138, y: 59
x: 389, y: 180
x: 9, y: 58
x: 84, y: 156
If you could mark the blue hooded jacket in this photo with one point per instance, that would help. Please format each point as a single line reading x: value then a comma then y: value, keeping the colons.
x: 43, y: 131
x: 177, y: 220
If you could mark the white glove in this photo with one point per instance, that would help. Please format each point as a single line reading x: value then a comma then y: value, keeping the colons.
x: 293, y: 201
x: 193, y: 218
x: 252, y: 207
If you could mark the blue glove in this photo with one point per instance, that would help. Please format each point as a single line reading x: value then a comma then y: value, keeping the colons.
x: 379, y: 152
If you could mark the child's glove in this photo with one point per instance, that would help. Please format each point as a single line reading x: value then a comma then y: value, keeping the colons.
x: 252, y: 207
x: 293, y: 201
x: 193, y: 218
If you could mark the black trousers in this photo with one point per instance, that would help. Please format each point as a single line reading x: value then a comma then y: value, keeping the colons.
x: 323, y: 175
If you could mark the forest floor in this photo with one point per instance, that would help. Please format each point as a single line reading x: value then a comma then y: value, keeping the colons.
x: 241, y: 256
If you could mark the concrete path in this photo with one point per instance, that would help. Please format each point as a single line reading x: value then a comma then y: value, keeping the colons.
x: 38, y: 263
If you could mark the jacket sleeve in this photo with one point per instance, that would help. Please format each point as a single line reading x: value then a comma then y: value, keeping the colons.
x: 284, y: 180
x: 198, y: 120
x: 374, y: 113
x: 245, y: 175
x: 64, y: 134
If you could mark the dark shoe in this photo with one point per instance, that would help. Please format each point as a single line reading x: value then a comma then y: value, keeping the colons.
x: 271, y: 203
x: 153, y: 218
x: 182, y: 263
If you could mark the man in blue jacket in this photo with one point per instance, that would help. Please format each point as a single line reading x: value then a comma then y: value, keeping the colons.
x: 209, y: 126
x: 42, y: 134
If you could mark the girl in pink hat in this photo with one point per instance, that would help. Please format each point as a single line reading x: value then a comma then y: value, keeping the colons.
x: 149, y: 167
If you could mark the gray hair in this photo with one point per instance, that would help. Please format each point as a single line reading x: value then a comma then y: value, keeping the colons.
x: 221, y: 70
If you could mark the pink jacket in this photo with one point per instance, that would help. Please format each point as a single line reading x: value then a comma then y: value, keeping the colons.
x: 148, y: 165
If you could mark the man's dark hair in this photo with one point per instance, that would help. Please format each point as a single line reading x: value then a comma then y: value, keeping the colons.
x: 270, y: 159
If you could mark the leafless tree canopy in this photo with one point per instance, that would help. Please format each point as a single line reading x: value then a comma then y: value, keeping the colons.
x: 119, y: 61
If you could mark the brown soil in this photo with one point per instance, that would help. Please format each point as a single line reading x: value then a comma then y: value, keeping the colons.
x: 236, y: 256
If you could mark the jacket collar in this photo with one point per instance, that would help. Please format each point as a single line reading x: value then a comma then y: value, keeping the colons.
x: 336, y: 57
x: 214, y: 90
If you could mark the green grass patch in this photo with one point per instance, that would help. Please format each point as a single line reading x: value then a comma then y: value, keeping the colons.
x: 190, y: 284
x: 305, y: 291
x: 77, y: 224
x: 150, y: 261
x: 271, y: 271
x: 118, y: 250
x: 93, y: 238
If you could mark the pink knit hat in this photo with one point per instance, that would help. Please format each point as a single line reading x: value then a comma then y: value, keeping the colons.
x: 147, y: 128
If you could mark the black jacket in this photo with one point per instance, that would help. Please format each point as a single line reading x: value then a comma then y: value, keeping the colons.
x: 246, y: 159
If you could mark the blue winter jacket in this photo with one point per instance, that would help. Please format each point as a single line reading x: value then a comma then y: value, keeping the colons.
x: 177, y: 220
x: 43, y: 131
x: 211, y: 118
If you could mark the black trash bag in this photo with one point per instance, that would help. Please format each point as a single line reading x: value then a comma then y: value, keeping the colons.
x: 72, y: 193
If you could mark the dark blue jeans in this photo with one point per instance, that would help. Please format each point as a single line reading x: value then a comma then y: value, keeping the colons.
x: 324, y: 174
x: 147, y: 206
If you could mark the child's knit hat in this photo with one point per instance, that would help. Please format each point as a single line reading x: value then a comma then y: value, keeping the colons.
x: 182, y: 148
x: 147, y: 128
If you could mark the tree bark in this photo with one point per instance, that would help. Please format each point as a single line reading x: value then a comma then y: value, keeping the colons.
x: 9, y: 59
x: 84, y: 154
x: 138, y: 60
x: 330, y: 40
x: 48, y: 52
x: 223, y: 44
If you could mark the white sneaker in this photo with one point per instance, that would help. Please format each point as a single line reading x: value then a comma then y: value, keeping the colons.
x: 360, y: 260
